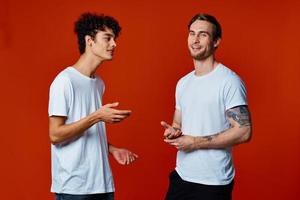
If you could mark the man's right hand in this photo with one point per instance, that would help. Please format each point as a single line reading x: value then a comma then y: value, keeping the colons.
x: 170, y: 132
x: 109, y: 114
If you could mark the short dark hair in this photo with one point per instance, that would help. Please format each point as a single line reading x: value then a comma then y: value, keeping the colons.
x: 217, y: 30
x: 90, y: 24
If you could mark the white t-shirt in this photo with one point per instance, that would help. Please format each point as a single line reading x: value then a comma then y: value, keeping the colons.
x: 202, y: 101
x: 81, y: 166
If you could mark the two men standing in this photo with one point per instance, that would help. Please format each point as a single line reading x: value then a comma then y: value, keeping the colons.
x: 211, y: 116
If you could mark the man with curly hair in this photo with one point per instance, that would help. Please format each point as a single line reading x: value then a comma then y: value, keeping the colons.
x: 80, y: 165
x: 211, y: 116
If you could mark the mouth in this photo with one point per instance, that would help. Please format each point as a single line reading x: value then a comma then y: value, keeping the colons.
x: 110, y: 52
x: 195, y: 48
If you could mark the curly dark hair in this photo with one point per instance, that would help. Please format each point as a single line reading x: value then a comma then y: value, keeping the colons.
x: 217, y: 30
x: 90, y: 24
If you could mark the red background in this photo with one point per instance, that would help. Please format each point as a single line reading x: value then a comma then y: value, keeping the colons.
x: 260, y: 42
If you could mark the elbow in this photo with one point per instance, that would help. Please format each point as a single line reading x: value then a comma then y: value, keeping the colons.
x: 247, y: 135
x: 54, y: 139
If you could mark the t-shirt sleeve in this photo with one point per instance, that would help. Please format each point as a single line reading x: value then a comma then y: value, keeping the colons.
x: 59, y: 97
x: 235, y: 93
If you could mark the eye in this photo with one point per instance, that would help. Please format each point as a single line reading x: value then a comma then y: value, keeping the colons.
x: 191, y: 33
x: 203, y: 34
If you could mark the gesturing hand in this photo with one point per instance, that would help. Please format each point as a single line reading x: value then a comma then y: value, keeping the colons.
x: 170, y: 132
x: 109, y: 114
x: 123, y: 156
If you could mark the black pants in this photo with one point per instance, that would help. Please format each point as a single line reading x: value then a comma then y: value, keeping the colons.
x: 183, y: 190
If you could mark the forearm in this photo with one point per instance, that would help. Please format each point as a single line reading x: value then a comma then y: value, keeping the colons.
x: 177, y: 119
x: 65, y: 132
x: 231, y: 137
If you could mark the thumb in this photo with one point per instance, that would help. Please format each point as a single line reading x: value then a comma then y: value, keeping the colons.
x: 110, y: 105
x: 165, y: 125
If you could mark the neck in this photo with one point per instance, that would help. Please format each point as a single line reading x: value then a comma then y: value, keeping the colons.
x: 204, y: 66
x: 87, y: 65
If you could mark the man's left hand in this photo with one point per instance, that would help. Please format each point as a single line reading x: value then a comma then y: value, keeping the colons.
x: 123, y: 156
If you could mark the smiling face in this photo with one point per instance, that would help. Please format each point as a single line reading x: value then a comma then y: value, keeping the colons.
x: 200, y: 40
x: 103, y: 45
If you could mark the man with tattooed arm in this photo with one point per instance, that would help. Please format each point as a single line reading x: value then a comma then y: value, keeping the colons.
x: 211, y: 116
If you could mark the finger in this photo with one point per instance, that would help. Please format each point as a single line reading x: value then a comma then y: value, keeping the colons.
x: 111, y: 105
x: 123, y: 112
x: 113, y: 121
x: 131, y: 159
x: 177, y: 133
x: 128, y: 159
x: 168, y: 135
x: 135, y: 155
x: 172, y: 135
x: 120, y: 117
x: 171, y: 141
x: 165, y: 125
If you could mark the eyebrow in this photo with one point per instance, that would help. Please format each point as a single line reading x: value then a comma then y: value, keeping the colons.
x: 201, y: 32
x: 109, y: 34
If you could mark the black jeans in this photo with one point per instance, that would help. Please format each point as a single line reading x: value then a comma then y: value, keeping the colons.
x: 105, y: 196
x: 184, y: 190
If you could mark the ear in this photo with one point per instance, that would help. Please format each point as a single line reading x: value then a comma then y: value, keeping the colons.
x: 88, y: 40
x: 217, y: 42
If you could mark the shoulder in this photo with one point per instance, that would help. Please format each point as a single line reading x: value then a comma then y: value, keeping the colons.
x: 63, y: 78
x: 229, y: 76
x: 185, y: 78
x: 99, y: 80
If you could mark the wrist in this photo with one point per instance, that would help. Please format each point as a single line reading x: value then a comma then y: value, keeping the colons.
x: 97, y: 116
x: 197, y: 142
x: 111, y: 148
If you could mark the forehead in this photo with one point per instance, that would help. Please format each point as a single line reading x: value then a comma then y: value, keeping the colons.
x: 106, y: 31
x: 201, y: 25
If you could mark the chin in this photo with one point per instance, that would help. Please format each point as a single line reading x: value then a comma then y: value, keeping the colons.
x: 108, y: 58
x: 197, y: 56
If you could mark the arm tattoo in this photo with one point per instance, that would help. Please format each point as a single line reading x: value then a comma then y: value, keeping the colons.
x: 209, y: 138
x: 240, y: 114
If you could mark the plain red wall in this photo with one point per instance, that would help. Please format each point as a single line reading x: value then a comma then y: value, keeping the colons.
x: 260, y: 42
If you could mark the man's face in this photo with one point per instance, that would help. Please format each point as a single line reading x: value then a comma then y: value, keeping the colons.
x: 104, y: 44
x: 200, y: 40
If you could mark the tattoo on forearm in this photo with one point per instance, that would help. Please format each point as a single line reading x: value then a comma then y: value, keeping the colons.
x: 240, y: 114
x: 209, y: 138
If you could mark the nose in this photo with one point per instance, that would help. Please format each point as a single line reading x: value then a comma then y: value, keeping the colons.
x: 113, y: 43
x: 196, y: 39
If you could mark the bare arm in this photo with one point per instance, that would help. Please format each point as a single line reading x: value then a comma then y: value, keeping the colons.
x: 239, y: 132
x: 60, y: 132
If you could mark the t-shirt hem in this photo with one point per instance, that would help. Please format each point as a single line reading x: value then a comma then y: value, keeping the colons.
x: 236, y: 104
x: 203, y: 181
x: 83, y: 193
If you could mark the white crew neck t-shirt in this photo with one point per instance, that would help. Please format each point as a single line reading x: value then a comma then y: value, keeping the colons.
x: 202, y: 101
x: 80, y: 166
